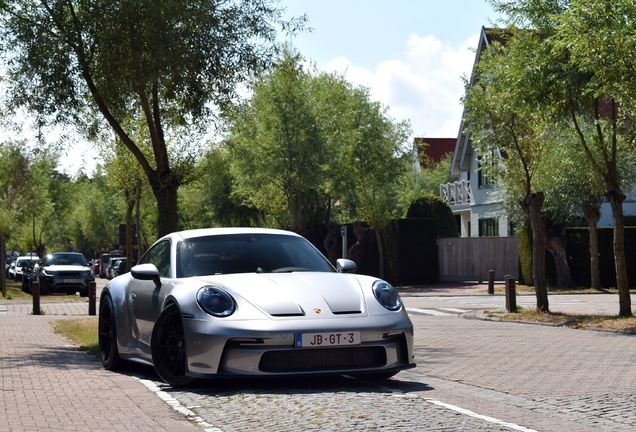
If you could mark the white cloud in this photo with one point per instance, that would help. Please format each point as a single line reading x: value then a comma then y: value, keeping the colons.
x: 424, y: 86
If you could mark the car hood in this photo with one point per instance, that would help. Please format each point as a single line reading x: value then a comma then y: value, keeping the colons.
x: 57, y: 268
x: 299, y: 293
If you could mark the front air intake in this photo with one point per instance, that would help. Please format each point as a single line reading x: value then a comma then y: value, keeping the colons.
x: 308, y: 360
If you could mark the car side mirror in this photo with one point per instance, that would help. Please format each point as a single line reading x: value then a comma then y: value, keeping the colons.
x: 345, y: 266
x: 146, y: 272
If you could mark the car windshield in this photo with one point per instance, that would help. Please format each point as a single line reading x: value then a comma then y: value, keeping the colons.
x: 248, y: 253
x: 65, y: 259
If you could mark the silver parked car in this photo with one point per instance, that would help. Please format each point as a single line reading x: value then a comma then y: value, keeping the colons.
x: 228, y: 302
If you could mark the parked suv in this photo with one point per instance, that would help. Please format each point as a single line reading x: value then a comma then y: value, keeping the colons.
x: 65, y: 272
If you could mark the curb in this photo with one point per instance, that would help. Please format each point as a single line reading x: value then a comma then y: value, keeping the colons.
x: 479, y: 314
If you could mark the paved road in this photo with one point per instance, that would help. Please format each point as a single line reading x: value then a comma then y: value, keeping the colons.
x: 472, y: 375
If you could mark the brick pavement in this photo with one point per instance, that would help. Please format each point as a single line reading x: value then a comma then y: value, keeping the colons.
x: 561, y: 380
x: 48, y: 385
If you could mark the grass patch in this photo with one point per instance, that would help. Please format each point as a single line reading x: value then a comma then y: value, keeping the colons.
x: 578, y: 321
x: 14, y: 292
x: 81, y: 331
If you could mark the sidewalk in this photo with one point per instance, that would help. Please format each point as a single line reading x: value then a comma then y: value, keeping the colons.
x: 49, y: 385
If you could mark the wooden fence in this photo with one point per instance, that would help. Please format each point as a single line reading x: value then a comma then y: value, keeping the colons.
x: 472, y: 258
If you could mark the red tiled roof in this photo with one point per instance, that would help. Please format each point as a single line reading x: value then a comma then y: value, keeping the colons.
x: 436, y: 149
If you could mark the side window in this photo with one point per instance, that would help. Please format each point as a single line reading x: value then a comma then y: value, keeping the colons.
x: 159, y: 255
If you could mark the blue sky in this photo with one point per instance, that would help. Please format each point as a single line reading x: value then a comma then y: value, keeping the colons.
x: 410, y: 53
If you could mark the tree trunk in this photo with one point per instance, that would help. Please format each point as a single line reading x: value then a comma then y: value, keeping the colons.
x: 129, y: 240
x: 532, y: 205
x: 357, y: 252
x: 625, y: 304
x: 166, y: 197
x: 592, y: 217
x: 140, y: 248
x: 3, y: 257
x: 555, y: 243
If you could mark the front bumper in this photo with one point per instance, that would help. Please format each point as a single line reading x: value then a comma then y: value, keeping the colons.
x: 61, y: 282
x: 266, y: 347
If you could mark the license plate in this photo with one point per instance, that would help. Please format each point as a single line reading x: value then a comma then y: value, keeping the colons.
x: 316, y: 340
x: 71, y: 280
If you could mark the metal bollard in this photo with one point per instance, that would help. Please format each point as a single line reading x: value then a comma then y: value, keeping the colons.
x: 511, y: 294
x: 35, y: 291
x: 491, y: 282
x: 92, y: 293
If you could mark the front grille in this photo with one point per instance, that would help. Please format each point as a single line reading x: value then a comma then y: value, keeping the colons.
x: 308, y: 360
x: 69, y: 274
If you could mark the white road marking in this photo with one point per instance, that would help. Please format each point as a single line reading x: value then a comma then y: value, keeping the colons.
x: 454, y: 310
x: 427, y: 311
x: 437, y: 312
x: 177, y: 406
x: 479, y: 416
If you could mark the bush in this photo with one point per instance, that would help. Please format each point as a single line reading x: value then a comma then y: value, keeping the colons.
x: 435, y: 208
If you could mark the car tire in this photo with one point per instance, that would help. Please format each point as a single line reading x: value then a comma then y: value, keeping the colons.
x: 168, y: 347
x: 107, y: 335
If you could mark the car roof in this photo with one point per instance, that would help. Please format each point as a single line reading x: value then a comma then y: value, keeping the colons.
x: 225, y: 231
x: 65, y: 253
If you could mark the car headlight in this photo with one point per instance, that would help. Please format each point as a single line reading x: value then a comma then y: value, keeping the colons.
x: 386, y: 295
x: 216, y: 301
x: 47, y: 272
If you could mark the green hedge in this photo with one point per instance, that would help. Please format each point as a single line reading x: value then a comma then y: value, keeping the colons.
x: 578, y: 252
x: 410, y: 252
x: 435, y: 208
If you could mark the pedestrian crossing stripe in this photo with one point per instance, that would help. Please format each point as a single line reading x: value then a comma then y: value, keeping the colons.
x: 436, y: 312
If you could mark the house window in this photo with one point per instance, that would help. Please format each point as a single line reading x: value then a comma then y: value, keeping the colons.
x: 488, y: 228
x: 485, y: 176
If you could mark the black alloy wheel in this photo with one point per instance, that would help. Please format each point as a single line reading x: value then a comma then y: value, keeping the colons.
x: 168, y: 347
x: 108, y: 335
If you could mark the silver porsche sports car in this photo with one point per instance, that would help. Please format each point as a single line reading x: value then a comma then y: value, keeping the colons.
x: 225, y: 302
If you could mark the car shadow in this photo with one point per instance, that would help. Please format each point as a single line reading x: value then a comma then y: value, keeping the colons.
x: 289, y: 385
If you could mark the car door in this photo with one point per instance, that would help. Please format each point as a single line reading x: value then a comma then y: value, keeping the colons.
x: 146, y: 297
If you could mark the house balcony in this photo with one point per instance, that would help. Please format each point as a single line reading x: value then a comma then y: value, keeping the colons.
x: 457, y: 193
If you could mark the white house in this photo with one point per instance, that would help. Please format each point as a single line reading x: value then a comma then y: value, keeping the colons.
x: 474, y: 198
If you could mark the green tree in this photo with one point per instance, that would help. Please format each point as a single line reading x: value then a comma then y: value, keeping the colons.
x: 275, y: 143
x: 308, y: 139
x: 167, y: 64
x: 20, y: 191
x: 585, y: 77
x: 211, y: 199
x: 502, y: 120
x: 127, y: 179
x: 98, y: 210
x: 574, y: 190
x: 418, y: 183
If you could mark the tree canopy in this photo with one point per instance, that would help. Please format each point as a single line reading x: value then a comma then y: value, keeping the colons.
x: 102, y: 66
x: 306, y: 140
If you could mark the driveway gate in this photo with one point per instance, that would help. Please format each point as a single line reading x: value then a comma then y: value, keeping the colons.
x: 472, y: 258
